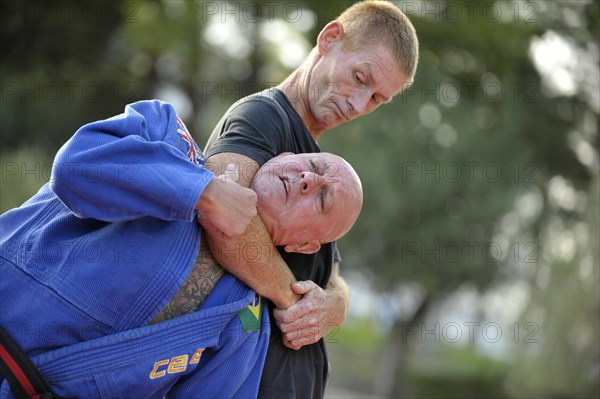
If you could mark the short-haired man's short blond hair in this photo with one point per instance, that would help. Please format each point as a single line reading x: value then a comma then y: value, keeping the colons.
x: 372, y: 22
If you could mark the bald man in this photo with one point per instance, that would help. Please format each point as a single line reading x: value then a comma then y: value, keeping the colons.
x: 93, y: 262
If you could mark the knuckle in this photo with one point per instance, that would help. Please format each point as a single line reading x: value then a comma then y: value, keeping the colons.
x: 283, y: 317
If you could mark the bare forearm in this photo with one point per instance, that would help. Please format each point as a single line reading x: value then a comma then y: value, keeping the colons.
x: 251, y: 260
x: 338, y: 290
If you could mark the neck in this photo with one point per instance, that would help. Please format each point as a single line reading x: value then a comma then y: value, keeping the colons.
x: 296, y: 88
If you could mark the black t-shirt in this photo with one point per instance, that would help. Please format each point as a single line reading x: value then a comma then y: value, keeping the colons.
x: 260, y: 127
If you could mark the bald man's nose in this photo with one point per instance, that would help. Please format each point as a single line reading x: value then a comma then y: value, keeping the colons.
x: 310, y: 181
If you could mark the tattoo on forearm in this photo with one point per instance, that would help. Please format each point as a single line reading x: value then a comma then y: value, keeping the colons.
x: 202, y: 279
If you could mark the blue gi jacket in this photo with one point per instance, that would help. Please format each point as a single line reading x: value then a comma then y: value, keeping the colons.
x: 104, y: 246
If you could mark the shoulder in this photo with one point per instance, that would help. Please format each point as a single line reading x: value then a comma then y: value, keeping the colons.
x: 255, y: 126
x: 258, y: 106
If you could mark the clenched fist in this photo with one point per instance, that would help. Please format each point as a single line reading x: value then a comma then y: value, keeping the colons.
x: 226, y: 205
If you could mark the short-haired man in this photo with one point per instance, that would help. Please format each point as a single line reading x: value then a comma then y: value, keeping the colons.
x: 361, y: 60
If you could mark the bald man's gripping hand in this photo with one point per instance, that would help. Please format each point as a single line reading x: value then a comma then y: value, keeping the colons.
x: 227, y: 206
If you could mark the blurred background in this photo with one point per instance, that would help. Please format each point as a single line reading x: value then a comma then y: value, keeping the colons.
x: 474, y: 266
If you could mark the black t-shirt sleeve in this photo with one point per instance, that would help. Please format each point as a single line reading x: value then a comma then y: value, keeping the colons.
x: 252, y: 127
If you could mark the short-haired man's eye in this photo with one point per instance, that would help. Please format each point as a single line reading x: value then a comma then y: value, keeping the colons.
x: 358, y: 78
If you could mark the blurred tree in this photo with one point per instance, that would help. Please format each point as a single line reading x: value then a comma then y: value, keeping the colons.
x: 56, y: 70
x: 565, y: 288
x: 566, y: 362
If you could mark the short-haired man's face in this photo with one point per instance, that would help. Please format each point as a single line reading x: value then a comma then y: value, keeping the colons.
x: 347, y: 84
x: 306, y: 198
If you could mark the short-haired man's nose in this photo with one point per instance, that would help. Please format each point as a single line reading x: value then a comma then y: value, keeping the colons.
x: 358, y: 104
x: 310, y: 181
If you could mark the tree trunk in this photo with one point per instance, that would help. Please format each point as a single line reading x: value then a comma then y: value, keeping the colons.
x: 388, y: 381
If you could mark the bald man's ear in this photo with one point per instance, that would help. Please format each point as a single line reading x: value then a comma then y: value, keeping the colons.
x: 307, y: 248
x: 330, y: 33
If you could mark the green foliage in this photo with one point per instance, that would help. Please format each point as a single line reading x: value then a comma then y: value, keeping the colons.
x: 23, y: 173
x: 353, y: 349
x: 55, y: 74
x: 458, y: 372
x: 357, y: 333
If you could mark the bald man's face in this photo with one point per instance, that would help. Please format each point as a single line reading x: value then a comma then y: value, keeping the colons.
x: 307, y: 197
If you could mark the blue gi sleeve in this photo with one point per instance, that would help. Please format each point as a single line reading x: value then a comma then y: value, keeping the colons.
x: 140, y: 163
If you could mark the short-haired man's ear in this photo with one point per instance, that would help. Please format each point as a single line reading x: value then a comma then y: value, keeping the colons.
x: 307, y: 248
x: 330, y: 33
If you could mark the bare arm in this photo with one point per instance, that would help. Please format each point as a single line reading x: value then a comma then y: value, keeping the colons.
x: 339, y: 292
x: 251, y: 257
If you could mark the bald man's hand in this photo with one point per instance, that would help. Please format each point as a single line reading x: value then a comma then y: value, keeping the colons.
x: 226, y: 205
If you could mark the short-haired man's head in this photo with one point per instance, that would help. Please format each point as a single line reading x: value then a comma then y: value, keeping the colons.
x: 373, y: 22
